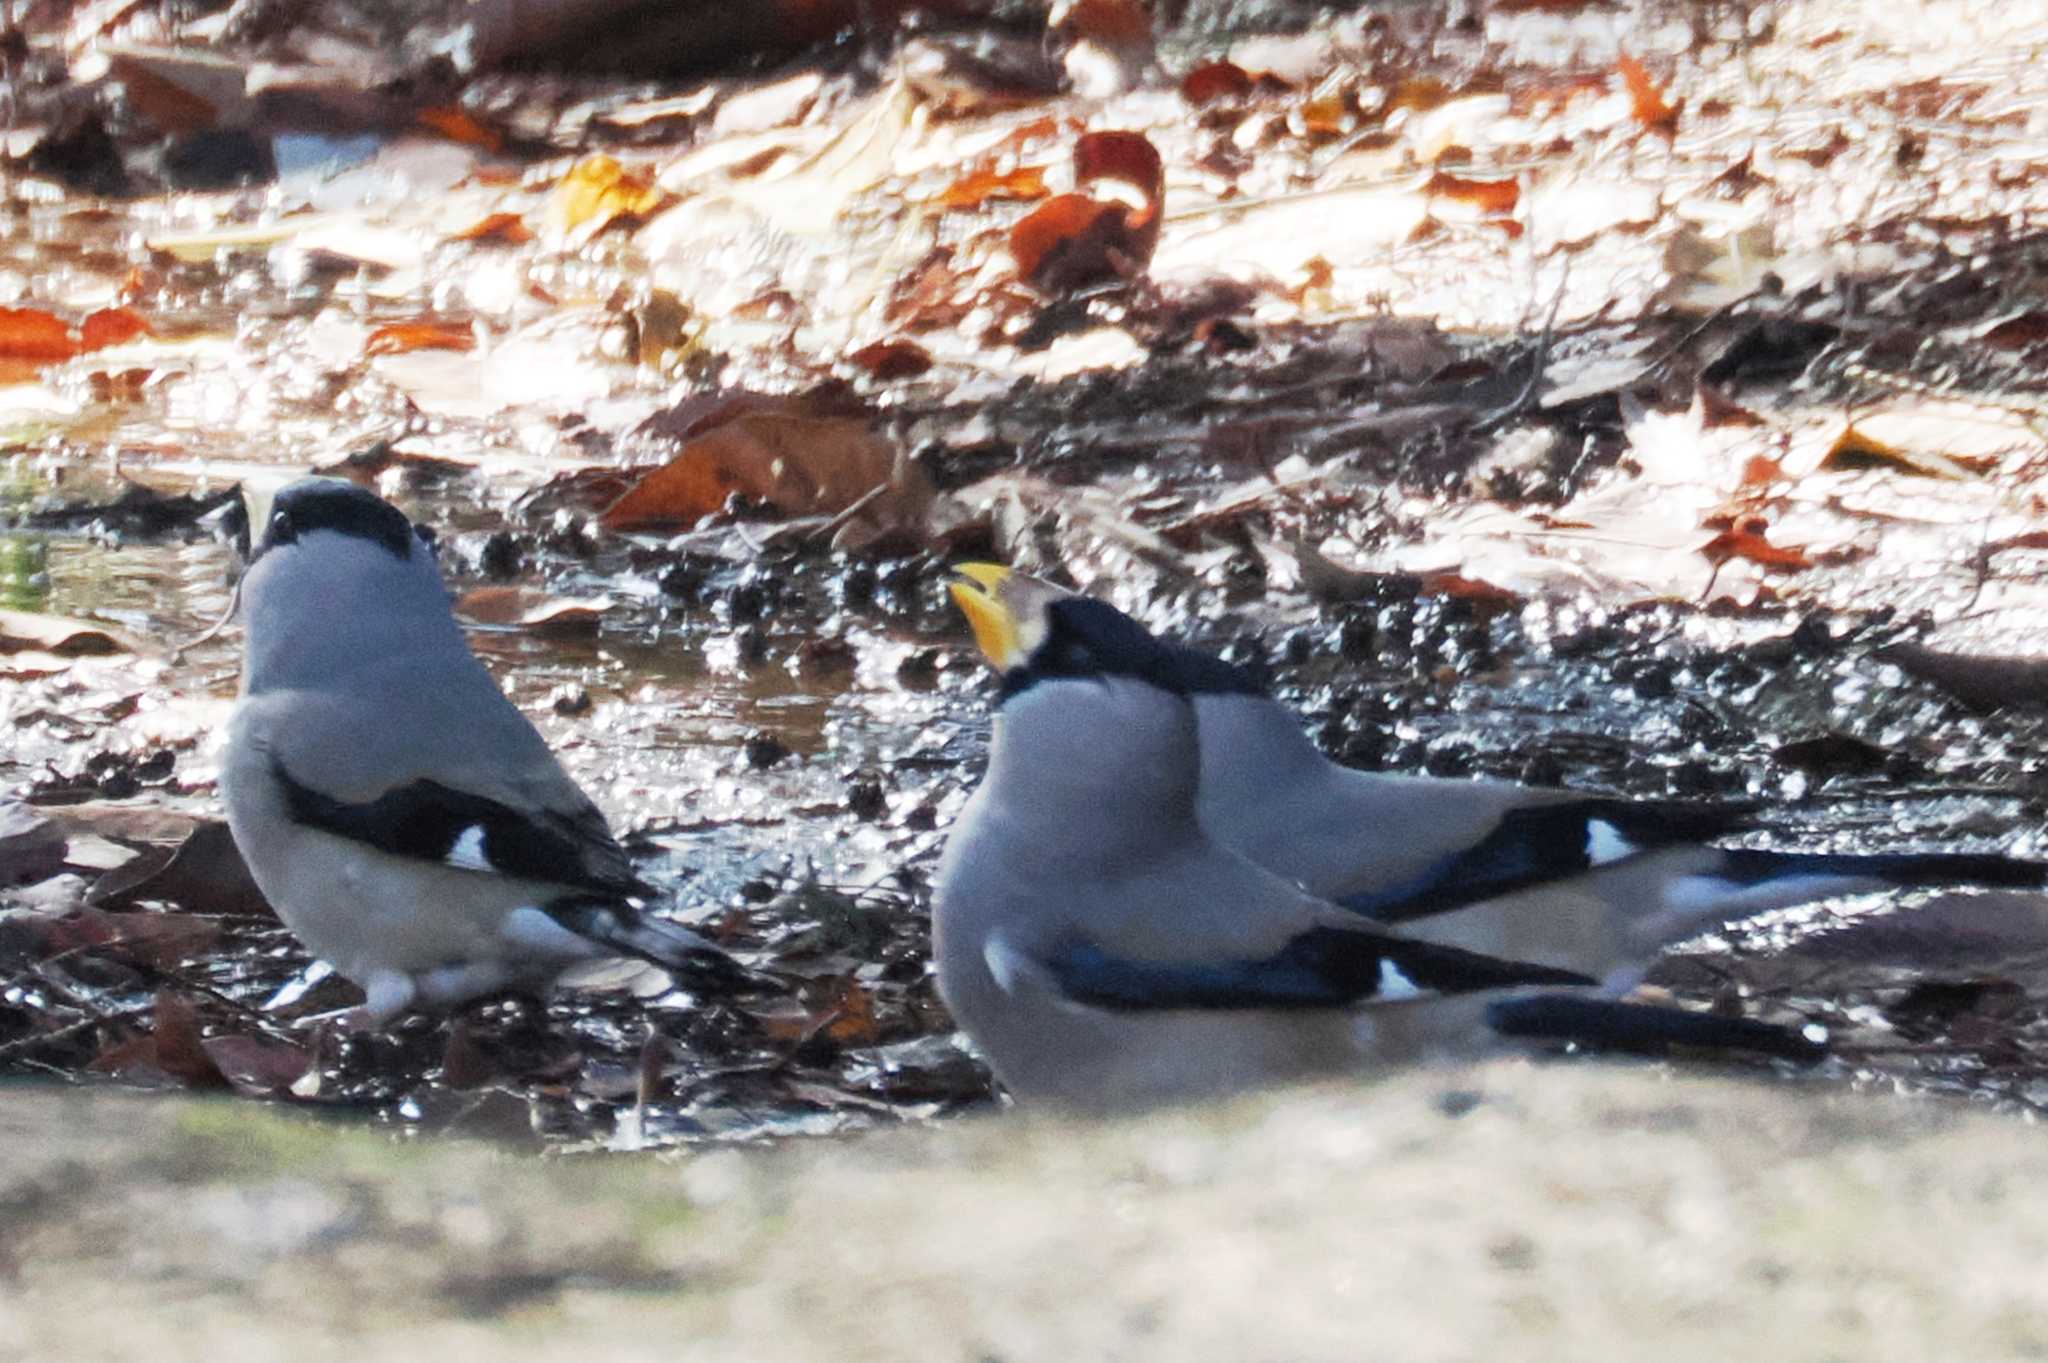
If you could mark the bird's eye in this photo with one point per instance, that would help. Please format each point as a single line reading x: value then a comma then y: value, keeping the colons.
x: 281, y: 530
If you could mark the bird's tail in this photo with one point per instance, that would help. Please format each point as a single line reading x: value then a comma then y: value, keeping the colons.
x: 1645, y: 1028
x: 695, y: 960
x: 1746, y: 880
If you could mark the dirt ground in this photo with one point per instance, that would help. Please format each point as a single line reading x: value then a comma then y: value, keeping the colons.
x: 1542, y: 1213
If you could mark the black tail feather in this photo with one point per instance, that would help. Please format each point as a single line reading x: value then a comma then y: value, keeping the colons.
x: 1644, y: 1028
x: 1758, y: 866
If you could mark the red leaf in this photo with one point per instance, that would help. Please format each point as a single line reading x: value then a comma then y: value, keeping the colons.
x: 890, y: 360
x: 1651, y: 109
x: 110, y: 326
x: 1217, y: 80
x: 1746, y: 541
x: 458, y: 126
x: 401, y: 337
x: 1074, y: 240
x: 35, y: 335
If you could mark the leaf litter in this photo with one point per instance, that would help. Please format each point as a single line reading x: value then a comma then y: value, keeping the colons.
x: 1649, y: 403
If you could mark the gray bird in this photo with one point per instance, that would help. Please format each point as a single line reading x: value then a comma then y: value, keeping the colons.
x: 1104, y: 951
x: 406, y: 821
x: 1595, y: 885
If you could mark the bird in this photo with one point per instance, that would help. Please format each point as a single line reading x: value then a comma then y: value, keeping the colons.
x: 406, y: 821
x: 1104, y: 951
x: 1596, y: 884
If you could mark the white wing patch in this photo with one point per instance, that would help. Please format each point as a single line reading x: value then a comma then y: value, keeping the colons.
x: 1010, y: 966
x: 467, y: 851
x: 1604, y: 843
x: 1393, y: 985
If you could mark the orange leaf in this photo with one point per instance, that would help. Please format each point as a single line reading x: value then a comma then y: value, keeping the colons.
x: 1762, y: 471
x: 802, y: 465
x: 888, y: 360
x: 1488, y: 196
x: 1025, y: 183
x: 1074, y: 240
x: 1651, y: 109
x: 598, y: 190
x: 110, y: 326
x: 1217, y: 80
x: 457, y: 125
x: 35, y: 335
x: 1746, y: 541
x: 401, y: 337
x: 509, y: 228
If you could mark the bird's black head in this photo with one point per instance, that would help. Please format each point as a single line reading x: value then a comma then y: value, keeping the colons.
x: 312, y: 504
x: 1084, y: 637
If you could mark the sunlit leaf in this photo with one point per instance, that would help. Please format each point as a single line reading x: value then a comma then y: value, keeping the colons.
x: 1024, y: 184
x: 35, y: 335
x: 1074, y: 240
x: 532, y: 611
x: 1646, y: 101
x: 509, y: 228
x: 1745, y: 540
x: 402, y: 337
x: 1488, y: 196
x: 598, y: 191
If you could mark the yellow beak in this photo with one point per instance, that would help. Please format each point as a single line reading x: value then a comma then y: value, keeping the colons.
x: 994, y: 625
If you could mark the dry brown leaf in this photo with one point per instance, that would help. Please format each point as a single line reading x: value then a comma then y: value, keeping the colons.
x: 458, y: 125
x: 1216, y: 81
x: 1646, y: 101
x: 802, y: 465
x: 400, y: 338
x: 1073, y: 240
x: 22, y: 631
x: 1745, y: 540
x: 36, y: 336
x: 599, y: 191
x: 509, y: 228
x: 1488, y: 196
x: 2017, y: 332
x: 258, y: 1066
x: 535, y: 612
x: 1855, y: 450
x: 893, y: 359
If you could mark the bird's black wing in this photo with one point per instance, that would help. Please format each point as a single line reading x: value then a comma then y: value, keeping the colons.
x: 432, y: 822
x: 1321, y: 968
x: 1536, y: 844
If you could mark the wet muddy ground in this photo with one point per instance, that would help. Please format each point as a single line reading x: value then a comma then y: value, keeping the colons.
x: 1647, y: 404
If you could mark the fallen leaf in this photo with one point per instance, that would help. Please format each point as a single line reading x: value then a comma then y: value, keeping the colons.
x: 1115, y: 23
x: 535, y: 612
x: 22, y: 631
x: 178, y: 1049
x: 1075, y: 240
x: 203, y: 874
x: 261, y: 1067
x: 158, y: 940
x: 1023, y: 184
x: 509, y: 228
x: 1718, y: 409
x: 34, y: 335
x: 458, y: 125
x: 1215, y: 81
x: 1746, y: 541
x: 110, y: 326
x: 801, y: 465
x: 1980, y: 682
x: 894, y: 359
x: 1646, y: 101
x: 599, y: 191
x: 400, y: 338
x: 1488, y: 196
x: 2017, y: 332
x: 31, y: 846
x: 1462, y: 588
x: 1762, y: 471
x: 1855, y: 450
